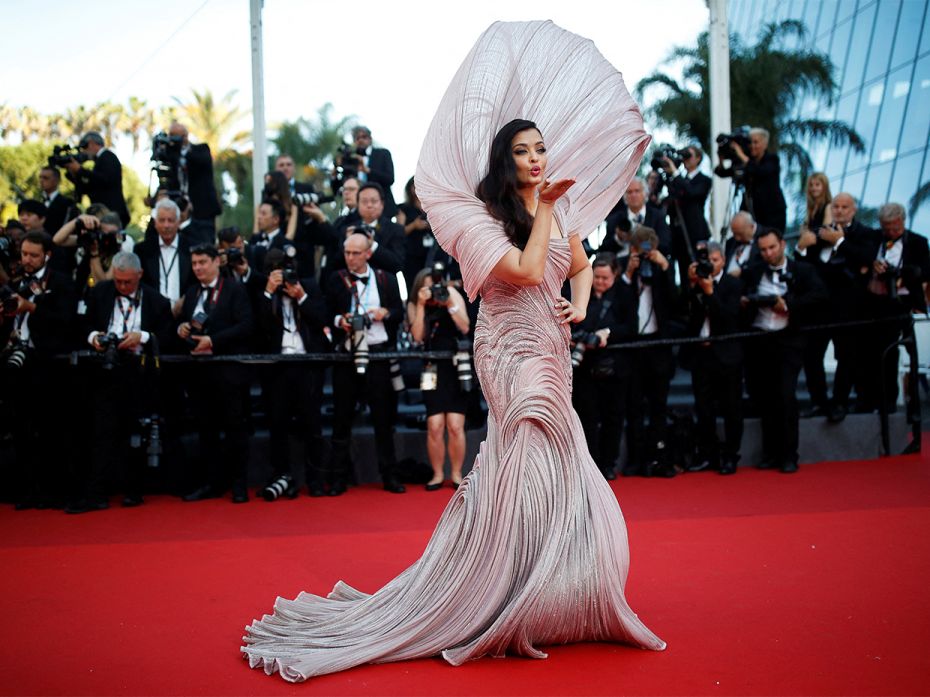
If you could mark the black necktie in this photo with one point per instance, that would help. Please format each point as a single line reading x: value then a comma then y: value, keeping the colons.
x: 363, y: 279
x: 639, y: 217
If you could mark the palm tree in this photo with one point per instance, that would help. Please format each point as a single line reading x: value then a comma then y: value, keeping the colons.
x: 767, y: 83
x: 312, y: 142
x: 214, y: 122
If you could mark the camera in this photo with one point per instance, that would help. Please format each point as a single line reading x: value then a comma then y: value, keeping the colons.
x: 461, y: 359
x: 14, y: 355
x: 63, y: 154
x: 282, y: 485
x: 704, y: 268
x: 166, y: 156
x: 358, y: 341
x: 234, y: 256
x: 583, y: 340
x: 725, y: 142
x: 305, y: 199
x: 438, y: 288
x: 108, y: 243
x: 109, y: 343
x: 676, y: 156
x: 198, y: 326
x: 646, y: 272
x: 150, y: 436
x: 366, y: 229
x: 288, y: 266
x: 348, y: 159
x: 397, y: 376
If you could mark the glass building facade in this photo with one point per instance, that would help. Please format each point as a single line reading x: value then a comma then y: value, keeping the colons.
x: 881, y: 55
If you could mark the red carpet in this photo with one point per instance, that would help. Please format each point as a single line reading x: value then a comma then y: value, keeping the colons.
x: 761, y: 583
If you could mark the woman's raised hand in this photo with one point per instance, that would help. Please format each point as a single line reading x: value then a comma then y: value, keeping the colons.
x: 550, y: 192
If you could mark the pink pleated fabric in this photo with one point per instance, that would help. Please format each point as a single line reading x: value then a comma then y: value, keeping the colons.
x: 532, y: 548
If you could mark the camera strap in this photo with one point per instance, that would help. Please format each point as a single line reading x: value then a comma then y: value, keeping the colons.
x: 166, y: 271
x: 127, y: 309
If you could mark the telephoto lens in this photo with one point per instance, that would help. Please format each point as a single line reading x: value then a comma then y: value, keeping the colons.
x: 462, y: 361
x: 283, y: 485
x: 397, y: 378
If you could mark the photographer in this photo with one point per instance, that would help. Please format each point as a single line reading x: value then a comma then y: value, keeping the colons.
x: 759, y: 172
x: 58, y: 206
x: 367, y: 309
x: 687, y: 196
x: 646, y: 276
x: 291, y: 317
x: 899, y: 273
x: 778, y: 297
x: 102, y: 184
x: 10, y: 238
x: 716, y: 367
x: 835, y: 249
x: 439, y: 321
x: 166, y: 261
x: 387, y: 238
x: 122, y: 317
x: 41, y: 310
x: 234, y: 263
x: 601, y: 379
x: 367, y: 164
x: 216, y: 319
x: 639, y: 213
x: 740, y: 250
x: 420, y: 246
x: 194, y: 171
x: 97, y: 240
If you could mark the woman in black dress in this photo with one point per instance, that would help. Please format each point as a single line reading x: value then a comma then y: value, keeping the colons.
x: 438, y: 320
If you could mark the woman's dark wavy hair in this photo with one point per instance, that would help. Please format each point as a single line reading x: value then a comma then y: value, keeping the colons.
x: 498, y: 189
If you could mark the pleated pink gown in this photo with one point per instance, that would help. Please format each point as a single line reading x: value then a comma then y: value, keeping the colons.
x: 532, y: 548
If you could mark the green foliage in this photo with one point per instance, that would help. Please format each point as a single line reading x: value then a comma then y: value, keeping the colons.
x: 768, y: 81
x: 312, y: 143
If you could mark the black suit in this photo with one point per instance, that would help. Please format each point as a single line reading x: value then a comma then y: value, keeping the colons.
x: 389, y: 256
x: 775, y: 358
x: 913, y: 271
x: 59, y: 210
x: 217, y: 391
x: 149, y: 253
x: 731, y: 247
x: 381, y: 171
x: 41, y: 391
x: 840, y: 270
x: 103, y: 184
x: 201, y: 189
x: 716, y: 368
x: 687, y: 195
x: 374, y: 385
x: 653, y: 217
x: 651, y: 370
x: 294, y: 389
x: 763, y: 192
x: 122, y: 395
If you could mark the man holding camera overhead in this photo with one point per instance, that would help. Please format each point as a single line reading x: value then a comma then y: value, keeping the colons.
x: 216, y: 319
x: 687, y: 195
x: 366, y: 309
x: 102, y: 184
x: 779, y: 296
x: 41, y: 310
x: 370, y: 165
x: 758, y: 170
x: 716, y: 367
x: 123, y: 318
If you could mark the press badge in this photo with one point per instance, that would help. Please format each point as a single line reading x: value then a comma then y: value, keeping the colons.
x: 429, y: 378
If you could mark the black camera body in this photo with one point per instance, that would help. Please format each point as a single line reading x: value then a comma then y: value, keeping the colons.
x: 288, y: 267
x: 676, y: 156
x: 166, y: 159
x: 108, y: 243
x: 725, y: 150
x: 63, y: 154
x: 234, y: 256
x: 110, y: 345
x: 359, y: 322
x: 198, y: 326
x: 704, y: 268
x: 439, y: 289
x: 348, y: 158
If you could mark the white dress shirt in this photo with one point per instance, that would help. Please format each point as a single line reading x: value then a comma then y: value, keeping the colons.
x: 766, y: 318
x: 169, y: 269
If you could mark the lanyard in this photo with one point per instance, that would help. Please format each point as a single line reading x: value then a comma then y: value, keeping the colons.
x: 166, y: 272
x: 127, y: 311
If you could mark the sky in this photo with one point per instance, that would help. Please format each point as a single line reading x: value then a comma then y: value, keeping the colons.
x: 386, y: 63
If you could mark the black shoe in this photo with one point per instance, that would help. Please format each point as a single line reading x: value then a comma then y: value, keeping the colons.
x: 700, y: 464
x: 837, y: 413
x: 23, y: 505
x: 767, y: 463
x: 315, y: 490
x: 132, y: 501
x: 634, y: 471
x: 336, y: 489
x: 727, y: 467
x: 815, y: 411
x: 86, y: 506
x: 204, y: 492
x: 395, y: 487
x: 789, y: 467
x: 432, y: 487
x: 658, y: 470
x: 240, y: 494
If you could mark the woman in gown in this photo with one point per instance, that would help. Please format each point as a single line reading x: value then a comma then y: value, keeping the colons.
x: 532, y: 548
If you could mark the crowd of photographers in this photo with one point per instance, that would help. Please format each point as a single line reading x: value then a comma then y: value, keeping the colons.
x: 665, y: 294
